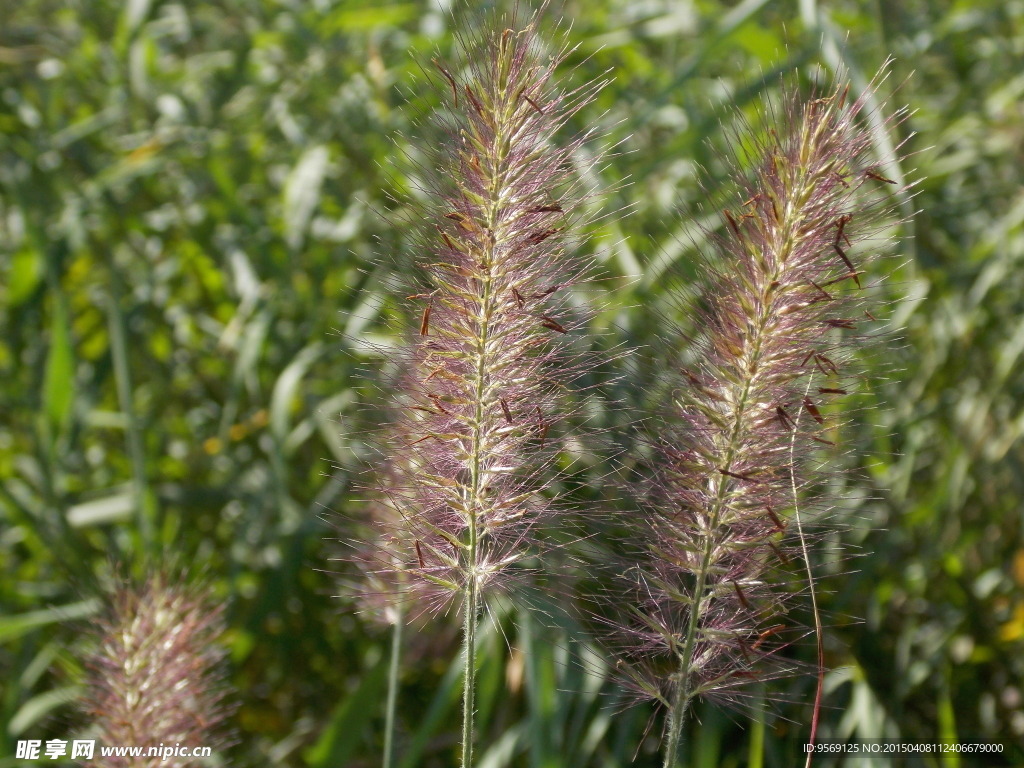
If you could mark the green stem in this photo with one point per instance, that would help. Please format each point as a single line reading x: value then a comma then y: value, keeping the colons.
x: 469, y: 682
x: 677, y: 718
x: 755, y: 758
x: 393, y: 683
x: 684, y: 693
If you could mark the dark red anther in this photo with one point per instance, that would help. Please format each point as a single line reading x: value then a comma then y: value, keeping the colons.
x: 553, y: 325
x: 419, y: 554
x: 813, y: 410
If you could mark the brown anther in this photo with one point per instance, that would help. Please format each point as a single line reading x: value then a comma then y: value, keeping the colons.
x: 831, y: 391
x: 437, y: 404
x: 768, y: 633
x: 870, y: 316
x: 784, y: 419
x: 813, y: 410
x: 841, y: 225
x: 742, y: 597
x: 736, y: 475
x: 743, y: 649
x: 871, y: 174
x: 779, y: 554
x: 841, y: 323
x: 447, y: 240
x: 822, y: 362
x: 450, y: 79
x: 553, y: 325
x: 419, y: 555
x: 732, y: 223
x: 847, y: 262
x: 822, y: 440
x: 826, y: 294
x: 425, y: 322
x: 553, y: 208
x: 546, y: 292
x: 518, y: 297
x: 775, y: 518
x: 539, y: 237
x: 542, y: 426
x: 473, y: 100
x: 505, y: 410
x: 533, y: 104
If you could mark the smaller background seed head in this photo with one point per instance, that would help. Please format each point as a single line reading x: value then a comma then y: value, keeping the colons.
x: 157, y: 676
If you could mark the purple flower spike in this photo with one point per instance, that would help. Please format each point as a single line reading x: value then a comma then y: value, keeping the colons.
x: 487, y: 369
x: 782, y: 308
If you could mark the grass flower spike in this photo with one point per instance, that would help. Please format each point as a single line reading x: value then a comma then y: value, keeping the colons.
x: 156, y: 678
x: 484, y: 386
x: 780, y: 310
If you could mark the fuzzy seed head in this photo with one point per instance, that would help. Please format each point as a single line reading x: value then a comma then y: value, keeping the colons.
x: 157, y: 675
x: 486, y: 370
x: 778, y: 323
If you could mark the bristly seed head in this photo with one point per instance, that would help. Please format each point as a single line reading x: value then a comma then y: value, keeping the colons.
x: 715, y: 530
x: 464, y: 461
x: 157, y: 676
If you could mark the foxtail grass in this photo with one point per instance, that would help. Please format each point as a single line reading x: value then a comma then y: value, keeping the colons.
x: 783, y: 308
x: 485, y: 372
x: 157, y: 676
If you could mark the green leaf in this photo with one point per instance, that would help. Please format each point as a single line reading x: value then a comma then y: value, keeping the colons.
x: 58, y: 384
x: 286, y: 387
x: 35, y: 669
x: 38, y: 707
x: 106, y: 509
x: 342, y: 734
x: 504, y: 749
x: 25, y: 273
x: 12, y: 627
x: 364, y: 19
x: 302, y: 193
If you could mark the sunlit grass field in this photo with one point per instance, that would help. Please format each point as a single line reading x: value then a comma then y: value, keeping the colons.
x: 200, y: 219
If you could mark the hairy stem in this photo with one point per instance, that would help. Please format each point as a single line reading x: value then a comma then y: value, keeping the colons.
x: 469, y: 682
x: 677, y: 718
x: 472, y: 584
x: 393, y: 684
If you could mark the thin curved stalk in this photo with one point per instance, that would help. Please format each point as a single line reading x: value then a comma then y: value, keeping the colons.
x: 818, y: 631
x: 393, y: 685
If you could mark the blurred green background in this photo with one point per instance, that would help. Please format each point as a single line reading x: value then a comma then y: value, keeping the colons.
x: 194, y: 200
